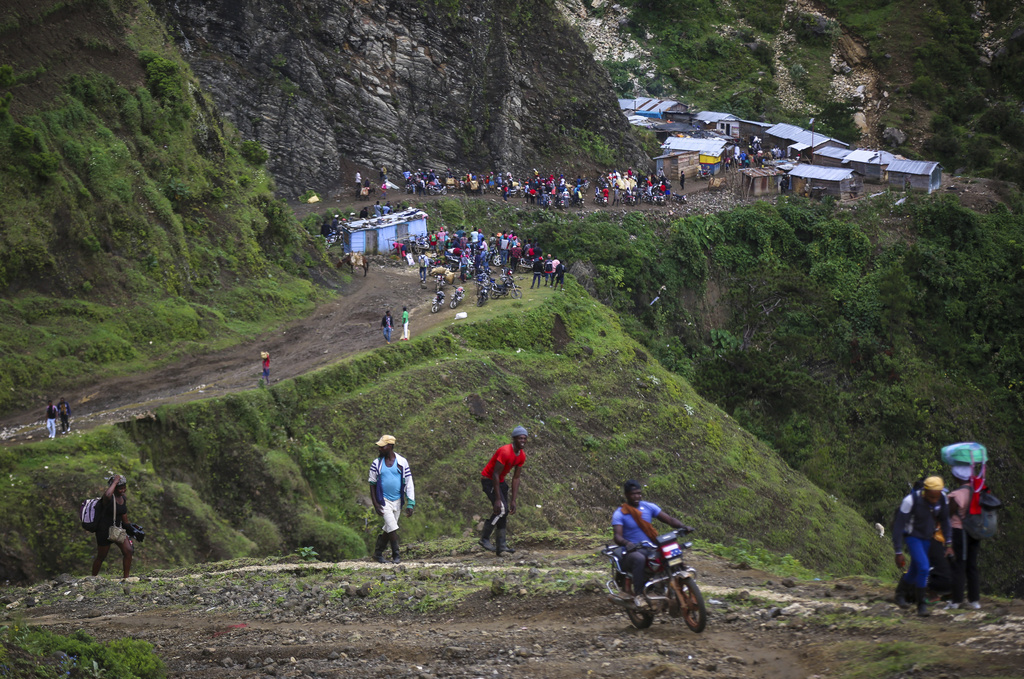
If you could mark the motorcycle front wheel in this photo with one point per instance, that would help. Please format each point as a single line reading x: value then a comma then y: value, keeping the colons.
x: 455, y: 303
x: 695, y: 615
x: 640, y: 619
x: 434, y: 308
x: 516, y: 293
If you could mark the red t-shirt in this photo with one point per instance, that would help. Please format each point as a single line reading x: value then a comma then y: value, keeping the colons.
x: 506, y: 455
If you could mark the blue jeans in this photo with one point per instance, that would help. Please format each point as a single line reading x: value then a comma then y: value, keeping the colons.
x: 387, y: 334
x: 536, y: 278
x: 917, y: 572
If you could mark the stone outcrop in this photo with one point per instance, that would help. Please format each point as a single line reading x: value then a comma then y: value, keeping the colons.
x: 330, y: 85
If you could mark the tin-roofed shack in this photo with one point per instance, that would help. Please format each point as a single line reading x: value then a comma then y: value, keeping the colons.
x: 831, y: 156
x: 917, y: 175
x: 759, y: 181
x: 666, y: 109
x: 709, y: 152
x: 815, y: 181
x: 725, y: 124
x: 378, y: 234
x: 870, y: 163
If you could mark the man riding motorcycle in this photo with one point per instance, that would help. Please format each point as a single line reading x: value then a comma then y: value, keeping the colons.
x: 632, y: 525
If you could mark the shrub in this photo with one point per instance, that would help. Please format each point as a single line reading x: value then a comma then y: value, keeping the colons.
x: 253, y: 152
x: 264, y: 533
x: 331, y: 540
x: 162, y: 76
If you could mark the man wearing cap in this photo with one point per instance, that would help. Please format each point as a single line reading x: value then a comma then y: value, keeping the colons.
x: 506, y: 457
x: 631, y: 524
x: 391, y: 486
x: 915, y: 523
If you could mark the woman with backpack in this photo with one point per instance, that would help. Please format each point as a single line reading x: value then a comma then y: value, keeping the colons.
x: 965, y: 547
x: 111, y: 517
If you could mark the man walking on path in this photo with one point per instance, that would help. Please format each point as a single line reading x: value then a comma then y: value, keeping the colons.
x: 391, y: 486
x: 265, y: 355
x: 386, y: 325
x: 51, y: 419
x: 560, y: 274
x: 405, y: 323
x: 424, y: 265
x: 504, y: 458
x: 64, y: 410
x: 918, y: 515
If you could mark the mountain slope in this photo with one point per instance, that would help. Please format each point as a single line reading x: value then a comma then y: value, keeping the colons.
x: 328, y: 87
x: 275, y: 469
x: 136, y: 224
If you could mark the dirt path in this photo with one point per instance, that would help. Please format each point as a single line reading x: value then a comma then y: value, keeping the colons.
x: 543, y: 613
x: 345, y: 326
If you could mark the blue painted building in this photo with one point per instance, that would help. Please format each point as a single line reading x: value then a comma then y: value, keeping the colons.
x: 377, y: 235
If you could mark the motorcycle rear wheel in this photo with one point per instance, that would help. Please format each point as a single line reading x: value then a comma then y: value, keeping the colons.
x: 640, y: 619
x: 695, y: 615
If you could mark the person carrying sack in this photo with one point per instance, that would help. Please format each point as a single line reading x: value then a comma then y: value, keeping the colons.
x: 111, y: 515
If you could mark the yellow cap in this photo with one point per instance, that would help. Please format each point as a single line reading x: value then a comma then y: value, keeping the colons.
x: 386, y: 440
x: 934, y: 483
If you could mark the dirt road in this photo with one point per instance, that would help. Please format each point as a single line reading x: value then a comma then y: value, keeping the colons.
x: 541, y: 613
x: 345, y: 326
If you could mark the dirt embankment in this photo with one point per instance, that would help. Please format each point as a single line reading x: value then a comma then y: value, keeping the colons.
x: 543, y: 613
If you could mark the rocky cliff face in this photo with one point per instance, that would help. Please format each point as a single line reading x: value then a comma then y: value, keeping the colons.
x: 329, y: 85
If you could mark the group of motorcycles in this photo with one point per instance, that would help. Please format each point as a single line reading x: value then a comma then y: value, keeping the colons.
x: 486, y: 287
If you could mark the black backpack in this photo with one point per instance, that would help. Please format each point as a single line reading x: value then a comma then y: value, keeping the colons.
x: 547, y: 267
x: 984, y: 525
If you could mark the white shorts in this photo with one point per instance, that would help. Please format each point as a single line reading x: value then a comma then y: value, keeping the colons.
x: 392, y: 510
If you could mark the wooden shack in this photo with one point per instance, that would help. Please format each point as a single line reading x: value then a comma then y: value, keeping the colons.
x: 759, y: 181
x: 711, y: 151
x: 831, y: 156
x: 918, y: 175
x: 872, y: 164
x: 725, y: 124
x: 671, y: 164
x: 814, y: 181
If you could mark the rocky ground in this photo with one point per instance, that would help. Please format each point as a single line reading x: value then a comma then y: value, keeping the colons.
x: 539, y: 613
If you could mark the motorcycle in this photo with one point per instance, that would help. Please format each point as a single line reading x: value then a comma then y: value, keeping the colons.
x: 438, y: 302
x: 508, y: 281
x: 457, y: 296
x: 483, y: 286
x: 672, y: 585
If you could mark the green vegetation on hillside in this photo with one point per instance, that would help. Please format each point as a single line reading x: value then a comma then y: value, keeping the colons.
x: 136, y: 225
x: 271, y: 470
x: 856, y: 342
x: 31, y: 652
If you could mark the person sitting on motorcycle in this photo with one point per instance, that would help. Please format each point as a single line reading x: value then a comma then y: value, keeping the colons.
x: 632, y: 525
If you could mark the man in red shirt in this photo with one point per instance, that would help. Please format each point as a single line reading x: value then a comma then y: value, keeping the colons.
x: 504, y: 459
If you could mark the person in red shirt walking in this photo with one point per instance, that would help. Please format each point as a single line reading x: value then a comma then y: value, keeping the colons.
x: 508, y: 457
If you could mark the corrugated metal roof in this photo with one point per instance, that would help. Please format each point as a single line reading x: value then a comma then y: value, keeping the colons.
x: 757, y: 122
x: 828, y: 174
x: 709, y: 147
x: 871, y: 156
x: 784, y: 131
x: 408, y: 215
x: 925, y: 167
x: 760, y: 171
x: 715, y: 116
x: 835, y: 152
x: 795, y: 134
x: 641, y: 121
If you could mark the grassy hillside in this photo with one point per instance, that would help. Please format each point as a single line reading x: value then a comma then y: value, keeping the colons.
x: 856, y: 341
x: 274, y: 469
x: 136, y: 224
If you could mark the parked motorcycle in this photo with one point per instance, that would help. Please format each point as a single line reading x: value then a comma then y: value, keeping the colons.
x: 457, y: 296
x: 483, y: 286
x: 438, y: 302
x: 672, y: 585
